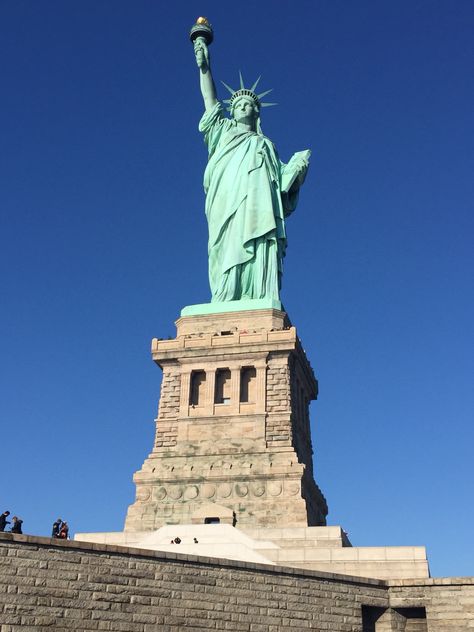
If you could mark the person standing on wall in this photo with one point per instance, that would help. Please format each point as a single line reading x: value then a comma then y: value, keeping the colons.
x: 16, y: 525
x: 3, y: 520
x: 56, y: 528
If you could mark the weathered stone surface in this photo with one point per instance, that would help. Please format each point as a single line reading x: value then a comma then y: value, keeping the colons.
x: 232, y: 427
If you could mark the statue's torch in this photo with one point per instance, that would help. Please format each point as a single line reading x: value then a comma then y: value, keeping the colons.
x: 202, y: 30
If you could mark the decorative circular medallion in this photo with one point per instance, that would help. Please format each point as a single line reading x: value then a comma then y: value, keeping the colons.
x: 224, y: 490
x: 241, y: 489
x: 292, y: 488
x: 143, y: 494
x: 274, y: 488
x: 258, y: 489
x: 175, y: 493
x: 191, y: 492
x: 159, y: 493
x: 208, y: 490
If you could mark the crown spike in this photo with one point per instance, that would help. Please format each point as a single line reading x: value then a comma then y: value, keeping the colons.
x: 267, y: 105
x: 242, y: 86
x: 255, y: 84
x: 263, y: 94
x: 231, y: 90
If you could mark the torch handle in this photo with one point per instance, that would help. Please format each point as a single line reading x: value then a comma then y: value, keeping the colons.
x: 202, y: 54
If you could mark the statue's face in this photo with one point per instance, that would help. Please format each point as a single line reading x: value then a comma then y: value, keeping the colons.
x: 244, y: 110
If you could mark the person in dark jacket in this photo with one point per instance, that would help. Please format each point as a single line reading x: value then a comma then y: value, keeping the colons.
x: 16, y: 525
x: 3, y: 520
x: 56, y: 528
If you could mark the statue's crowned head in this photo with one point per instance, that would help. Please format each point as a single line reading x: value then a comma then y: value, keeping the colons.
x: 244, y: 109
x: 247, y: 94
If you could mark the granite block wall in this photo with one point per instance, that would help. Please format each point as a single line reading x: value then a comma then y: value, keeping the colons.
x: 448, y: 601
x: 51, y: 585
x: 54, y: 585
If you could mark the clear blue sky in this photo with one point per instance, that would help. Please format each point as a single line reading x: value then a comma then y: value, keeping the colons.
x: 103, y: 241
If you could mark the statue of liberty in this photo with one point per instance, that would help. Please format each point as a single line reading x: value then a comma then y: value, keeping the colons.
x: 249, y: 191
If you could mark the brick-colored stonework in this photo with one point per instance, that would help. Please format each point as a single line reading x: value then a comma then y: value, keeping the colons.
x: 53, y: 585
x: 232, y: 430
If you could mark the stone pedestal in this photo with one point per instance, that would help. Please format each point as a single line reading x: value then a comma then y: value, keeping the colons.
x: 232, y: 435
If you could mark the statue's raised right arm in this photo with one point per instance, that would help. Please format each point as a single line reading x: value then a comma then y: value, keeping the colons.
x: 208, y: 89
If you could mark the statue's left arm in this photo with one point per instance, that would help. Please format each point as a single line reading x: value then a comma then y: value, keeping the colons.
x: 292, y: 178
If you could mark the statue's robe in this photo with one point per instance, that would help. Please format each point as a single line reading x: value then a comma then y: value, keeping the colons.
x: 245, y: 209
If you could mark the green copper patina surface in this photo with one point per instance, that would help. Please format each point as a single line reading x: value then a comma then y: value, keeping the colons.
x: 231, y: 306
x: 249, y: 192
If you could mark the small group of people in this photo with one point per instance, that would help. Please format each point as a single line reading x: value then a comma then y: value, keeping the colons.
x: 60, y: 529
x: 16, y: 523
